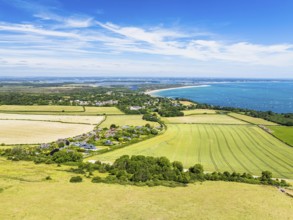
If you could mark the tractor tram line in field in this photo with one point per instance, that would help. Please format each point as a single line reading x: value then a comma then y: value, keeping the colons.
x: 267, y: 152
x: 220, y: 149
x: 256, y: 155
x: 216, y: 145
x: 210, y: 150
x: 231, y: 151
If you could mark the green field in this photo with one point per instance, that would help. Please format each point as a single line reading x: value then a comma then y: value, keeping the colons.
x: 25, y: 194
x: 59, y: 110
x: 203, y: 119
x: 240, y: 148
x: 199, y: 111
x: 40, y: 108
x: 103, y: 110
x: 134, y: 120
x: 283, y: 133
x: 252, y: 120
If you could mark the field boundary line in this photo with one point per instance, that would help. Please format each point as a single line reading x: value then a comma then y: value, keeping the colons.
x: 270, y: 153
x: 289, y: 145
x: 256, y: 146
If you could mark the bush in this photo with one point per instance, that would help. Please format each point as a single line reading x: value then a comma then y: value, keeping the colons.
x: 75, y: 179
x: 48, y: 178
x: 97, y: 179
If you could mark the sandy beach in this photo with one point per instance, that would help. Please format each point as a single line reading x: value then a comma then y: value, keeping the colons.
x: 153, y: 92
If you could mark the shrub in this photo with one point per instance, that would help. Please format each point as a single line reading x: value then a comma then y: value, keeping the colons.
x: 75, y: 179
x: 97, y: 179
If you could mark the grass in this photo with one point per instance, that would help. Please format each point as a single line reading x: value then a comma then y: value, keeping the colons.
x: 135, y: 120
x: 103, y: 110
x: 240, y: 148
x: 283, y: 133
x: 199, y: 111
x: 30, y: 132
x: 54, y: 118
x: 59, y: 110
x: 26, y: 195
x: 252, y: 120
x: 203, y: 119
x: 186, y: 103
x: 40, y: 108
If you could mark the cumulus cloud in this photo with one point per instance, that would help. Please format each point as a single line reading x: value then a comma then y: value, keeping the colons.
x: 83, y: 43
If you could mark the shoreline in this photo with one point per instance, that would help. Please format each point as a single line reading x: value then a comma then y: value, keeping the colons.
x: 152, y: 92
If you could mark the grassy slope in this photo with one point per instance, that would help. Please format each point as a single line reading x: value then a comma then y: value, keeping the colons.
x: 135, y: 120
x: 241, y: 148
x: 252, y: 120
x: 204, y: 119
x: 283, y: 133
x: 27, y: 195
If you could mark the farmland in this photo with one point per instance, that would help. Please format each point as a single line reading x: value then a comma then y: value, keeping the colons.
x: 25, y: 194
x: 134, y: 120
x: 252, y: 120
x: 59, y: 110
x: 283, y: 133
x: 54, y: 118
x: 199, y: 111
x: 204, y: 119
x: 40, y: 108
x: 240, y: 148
x: 30, y: 132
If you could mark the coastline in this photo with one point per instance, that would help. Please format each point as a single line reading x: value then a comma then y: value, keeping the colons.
x: 153, y: 92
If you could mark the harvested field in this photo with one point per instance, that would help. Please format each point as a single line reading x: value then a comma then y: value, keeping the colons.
x: 203, y: 119
x: 30, y: 132
x: 54, y: 118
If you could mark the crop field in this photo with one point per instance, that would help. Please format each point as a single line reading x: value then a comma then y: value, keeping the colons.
x: 25, y: 194
x: 40, y: 108
x: 134, y: 120
x: 284, y: 133
x: 30, y: 132
x: 103, y: 110
x: 252, y: 120
x: 78, y: 119
x: 199, y: 111
x: 59, y: 110
x: 203, y: 119
x: 239, y: 148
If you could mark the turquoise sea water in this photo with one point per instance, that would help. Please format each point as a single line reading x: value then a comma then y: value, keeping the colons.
x: 276, y: 96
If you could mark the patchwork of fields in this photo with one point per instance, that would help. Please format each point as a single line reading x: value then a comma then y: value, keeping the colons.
x: 25, y: 194
x: 240, y: 148
x: 199, y: 111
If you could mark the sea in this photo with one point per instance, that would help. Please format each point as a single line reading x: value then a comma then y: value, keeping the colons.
x: 276, y: 96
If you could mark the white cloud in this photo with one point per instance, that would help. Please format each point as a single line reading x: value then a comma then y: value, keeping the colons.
x: 80, y: 43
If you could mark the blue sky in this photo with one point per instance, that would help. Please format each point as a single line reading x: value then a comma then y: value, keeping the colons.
x: 207, y: 38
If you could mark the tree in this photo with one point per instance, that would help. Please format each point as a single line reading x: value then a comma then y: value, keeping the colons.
x: 196, y: 169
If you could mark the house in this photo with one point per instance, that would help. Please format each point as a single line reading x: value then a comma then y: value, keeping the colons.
x: 135, y: 108
x: 84, y: 145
